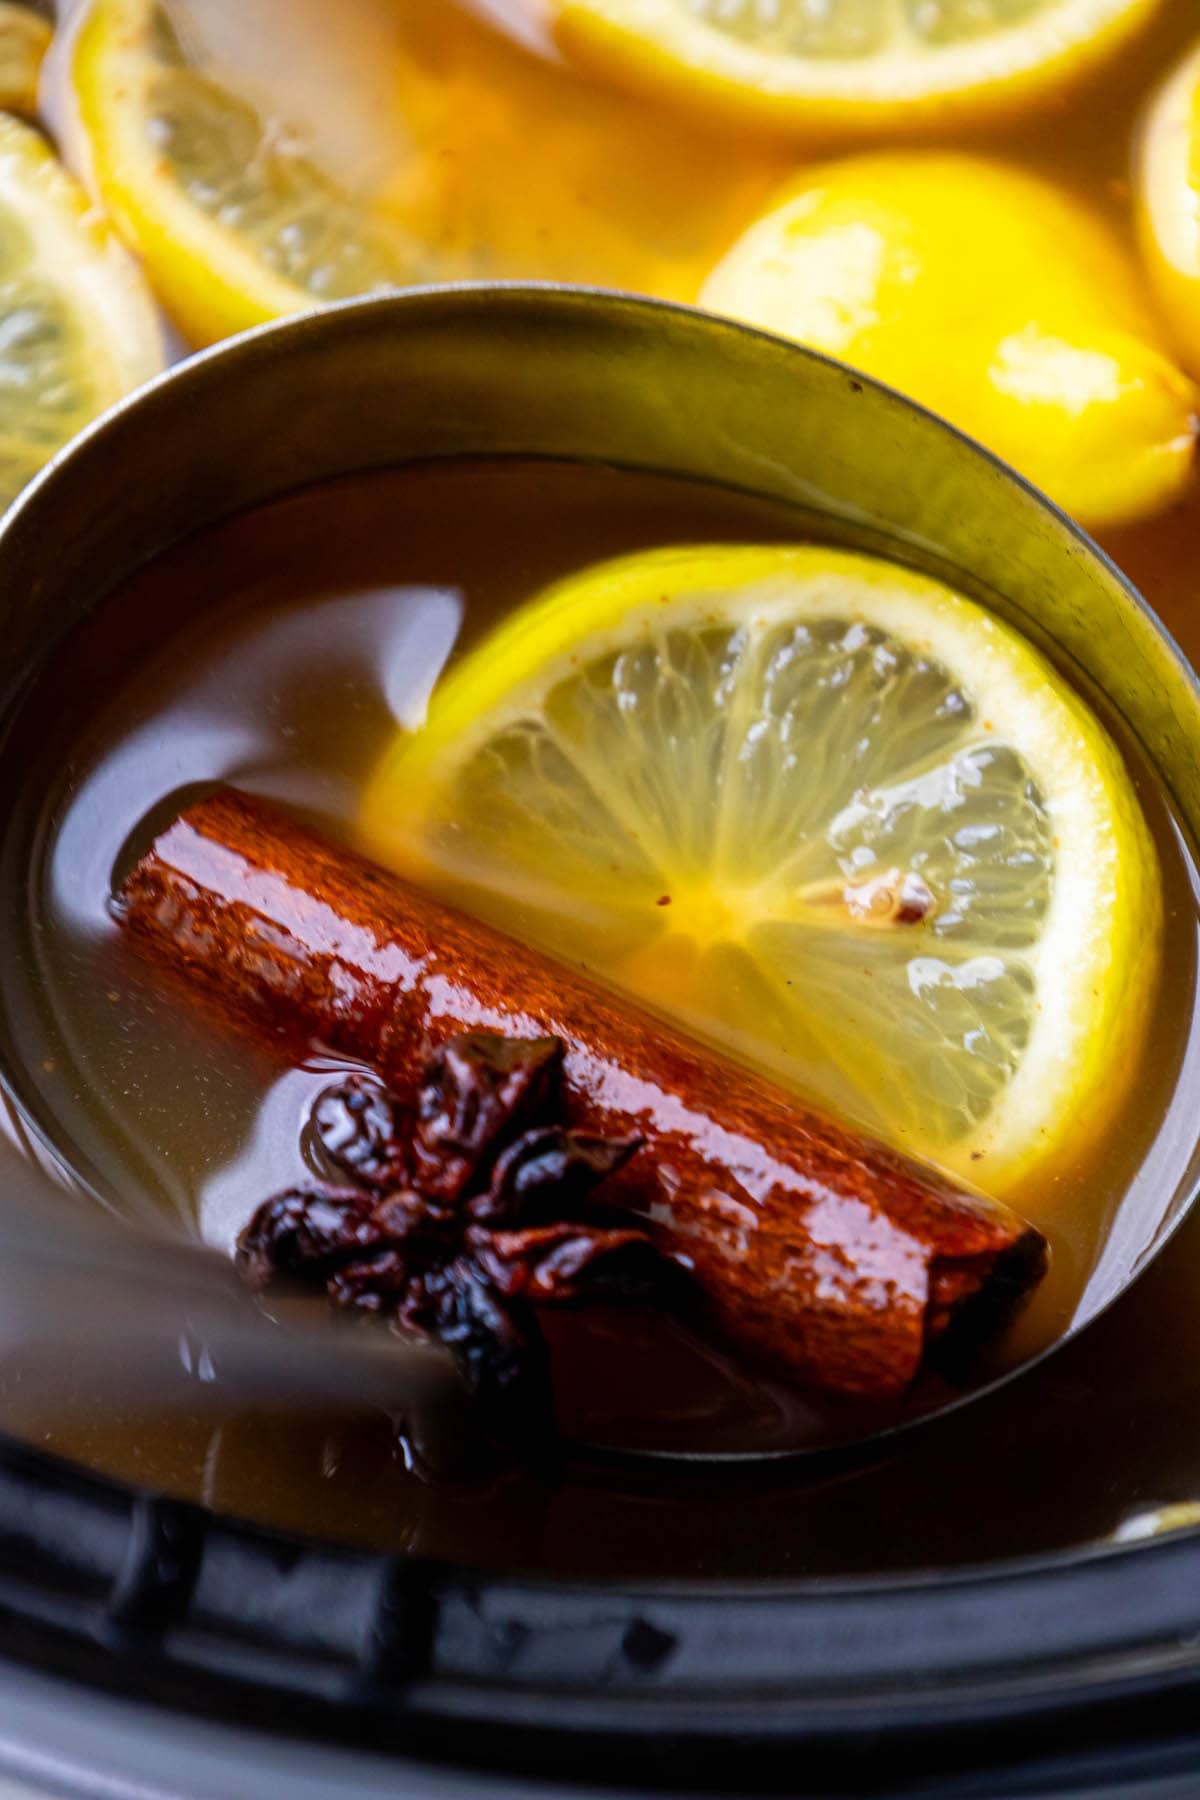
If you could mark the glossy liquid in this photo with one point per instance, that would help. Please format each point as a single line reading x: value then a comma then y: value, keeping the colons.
x: 278, y: 652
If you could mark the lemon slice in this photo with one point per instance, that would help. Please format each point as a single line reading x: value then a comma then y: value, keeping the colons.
x: 234, y: 224
x: 825, y: 810
x: 1168, y: 201
x: 79, y: 326
x: 24, y: 41
x: 813, y: 66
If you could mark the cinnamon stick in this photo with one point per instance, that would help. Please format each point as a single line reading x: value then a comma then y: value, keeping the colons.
x: 819, y: 1250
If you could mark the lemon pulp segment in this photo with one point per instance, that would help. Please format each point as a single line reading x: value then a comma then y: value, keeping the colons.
x: 821, y: 808
x: 853, y: 64
x: 233, y: 222
x: 80, y: 327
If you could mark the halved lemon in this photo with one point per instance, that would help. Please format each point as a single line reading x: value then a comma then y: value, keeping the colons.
x: 1168, y: 202
x: 808, y: 66
x: 24, y: 41
x: 234, y: 223
x: 79, y: 326
x: 824, y: 810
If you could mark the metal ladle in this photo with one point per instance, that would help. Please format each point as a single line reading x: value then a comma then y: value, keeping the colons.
x: 510, y: 370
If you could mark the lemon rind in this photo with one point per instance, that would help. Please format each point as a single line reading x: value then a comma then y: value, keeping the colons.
x: 657, y: 45
x: 1168, y: 209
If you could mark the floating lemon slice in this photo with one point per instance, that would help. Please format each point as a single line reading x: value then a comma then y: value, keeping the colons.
x: 1168, y: 201
x: 824, y: 810
x: 24, y: 41
x: 809, y: 67
x: 234, y: 224
x: 80, y: 327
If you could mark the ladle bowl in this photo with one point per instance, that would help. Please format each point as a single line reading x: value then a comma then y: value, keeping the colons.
x: 549, y: 372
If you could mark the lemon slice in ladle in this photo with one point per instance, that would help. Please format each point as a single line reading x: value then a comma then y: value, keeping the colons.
x: 822, y: 809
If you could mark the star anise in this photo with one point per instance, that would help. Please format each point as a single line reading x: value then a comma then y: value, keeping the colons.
x: 469, y: 1214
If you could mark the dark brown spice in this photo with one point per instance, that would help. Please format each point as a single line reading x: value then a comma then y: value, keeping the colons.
x: 358, y: 1125
x: 472, y: 1213
x: 478, y: 1087
x: 307, y: 1232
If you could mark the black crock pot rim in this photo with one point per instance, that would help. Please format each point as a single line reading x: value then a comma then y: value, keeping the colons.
x: 196, y: 1610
